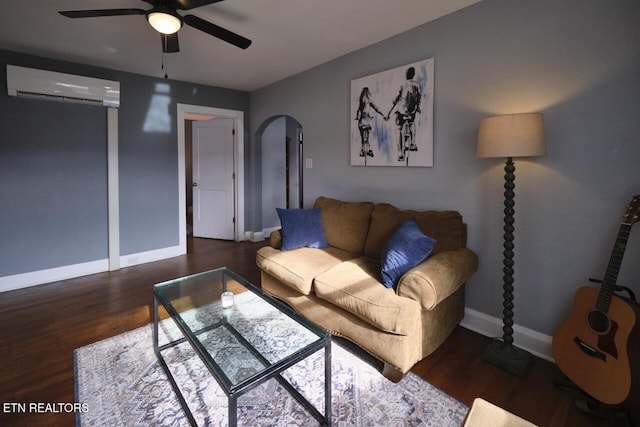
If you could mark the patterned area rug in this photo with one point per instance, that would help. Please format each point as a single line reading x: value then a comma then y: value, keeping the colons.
x: 123, y: 385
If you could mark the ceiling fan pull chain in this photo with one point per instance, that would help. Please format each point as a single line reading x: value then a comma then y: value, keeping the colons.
x: 166, y: 67
x: 165, y: 64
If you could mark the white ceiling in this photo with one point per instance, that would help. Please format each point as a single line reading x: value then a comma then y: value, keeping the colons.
x: 289, y: 36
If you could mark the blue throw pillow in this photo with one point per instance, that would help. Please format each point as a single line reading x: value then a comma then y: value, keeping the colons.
x: 406, y: 248
x: 301, y: 228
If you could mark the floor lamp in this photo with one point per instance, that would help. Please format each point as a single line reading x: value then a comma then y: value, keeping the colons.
x: 512, y: 135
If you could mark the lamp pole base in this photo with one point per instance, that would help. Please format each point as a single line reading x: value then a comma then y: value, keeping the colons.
x: 508, y: 357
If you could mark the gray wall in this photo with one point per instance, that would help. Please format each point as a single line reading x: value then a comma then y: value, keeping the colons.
x: 577, y: 62
x: 53, y: 197
x: 53, y: 184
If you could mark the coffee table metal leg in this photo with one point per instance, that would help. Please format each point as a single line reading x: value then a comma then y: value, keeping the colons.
x: 165, y: 367
x: 327, y: 383
x: 155, y: 324
x: 233, y: 411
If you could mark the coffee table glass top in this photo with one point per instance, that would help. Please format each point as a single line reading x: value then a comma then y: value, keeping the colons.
x: 252, y: 338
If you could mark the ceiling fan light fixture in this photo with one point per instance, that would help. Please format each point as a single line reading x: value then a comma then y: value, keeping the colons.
x: 164, y: 22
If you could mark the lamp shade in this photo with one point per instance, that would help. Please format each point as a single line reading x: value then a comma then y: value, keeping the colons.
x: 164, y: 22
x: 512, y: 135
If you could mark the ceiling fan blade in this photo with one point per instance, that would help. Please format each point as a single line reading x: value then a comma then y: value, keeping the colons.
x: 192, y: 4
x: 216, y: 31
x: 170, y: 43
x: 100, y: 12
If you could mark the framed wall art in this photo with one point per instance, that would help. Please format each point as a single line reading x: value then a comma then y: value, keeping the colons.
x: 392, y: 117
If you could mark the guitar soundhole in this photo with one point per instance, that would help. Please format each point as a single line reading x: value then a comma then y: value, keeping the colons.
x: 598, y: 321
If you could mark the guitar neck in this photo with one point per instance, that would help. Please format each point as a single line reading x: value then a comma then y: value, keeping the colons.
x: 629, y: 218
x: 613, y: 268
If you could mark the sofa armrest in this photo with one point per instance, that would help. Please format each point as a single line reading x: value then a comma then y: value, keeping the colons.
x: 275, y: 239
x: 438, y: 276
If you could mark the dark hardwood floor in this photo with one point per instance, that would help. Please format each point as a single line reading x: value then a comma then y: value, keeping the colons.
x: 41, y: 326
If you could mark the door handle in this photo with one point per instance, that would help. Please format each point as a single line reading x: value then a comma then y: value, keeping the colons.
x: 195, y: 184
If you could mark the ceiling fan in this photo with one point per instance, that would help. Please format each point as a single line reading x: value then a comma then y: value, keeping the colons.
x: 164, y: 18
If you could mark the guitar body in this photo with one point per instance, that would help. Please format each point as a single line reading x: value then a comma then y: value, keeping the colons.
x: 598, y: 351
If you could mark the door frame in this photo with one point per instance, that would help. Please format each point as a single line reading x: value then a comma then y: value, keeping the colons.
x: 186, y: 112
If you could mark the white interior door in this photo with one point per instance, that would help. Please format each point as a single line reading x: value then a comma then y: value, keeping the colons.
x: 213, y: 176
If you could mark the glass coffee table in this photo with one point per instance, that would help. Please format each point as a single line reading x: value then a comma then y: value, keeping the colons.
x: 242, y: 335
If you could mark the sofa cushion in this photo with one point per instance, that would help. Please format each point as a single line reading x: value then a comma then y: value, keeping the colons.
x: 298, y: 267
x: 438, y: 277
x: 446, y: 227
x: 406, y: 248
x: 301, y: 228
x: 345, y: 223
x: 354, y: 286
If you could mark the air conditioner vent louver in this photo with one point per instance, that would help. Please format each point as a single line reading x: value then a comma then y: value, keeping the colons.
x: 34, y: 83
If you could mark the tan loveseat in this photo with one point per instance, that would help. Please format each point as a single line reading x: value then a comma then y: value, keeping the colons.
x: 340, y: 287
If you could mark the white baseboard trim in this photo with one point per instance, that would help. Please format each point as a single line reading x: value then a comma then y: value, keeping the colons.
x: 254, y: 236
x: 257, y: 236
x: 151, y: 256
x: 33, y: 278
x: 534, y: 342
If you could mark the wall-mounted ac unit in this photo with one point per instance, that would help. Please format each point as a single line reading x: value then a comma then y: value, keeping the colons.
x: 31, y: 82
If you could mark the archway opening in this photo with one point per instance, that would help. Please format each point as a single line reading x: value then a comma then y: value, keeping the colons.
x: 279, y: 146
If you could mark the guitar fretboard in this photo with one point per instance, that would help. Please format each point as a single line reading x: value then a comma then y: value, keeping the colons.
x: 613, y: 268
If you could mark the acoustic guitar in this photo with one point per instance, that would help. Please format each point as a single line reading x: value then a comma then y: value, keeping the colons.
x: 598, y: 346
